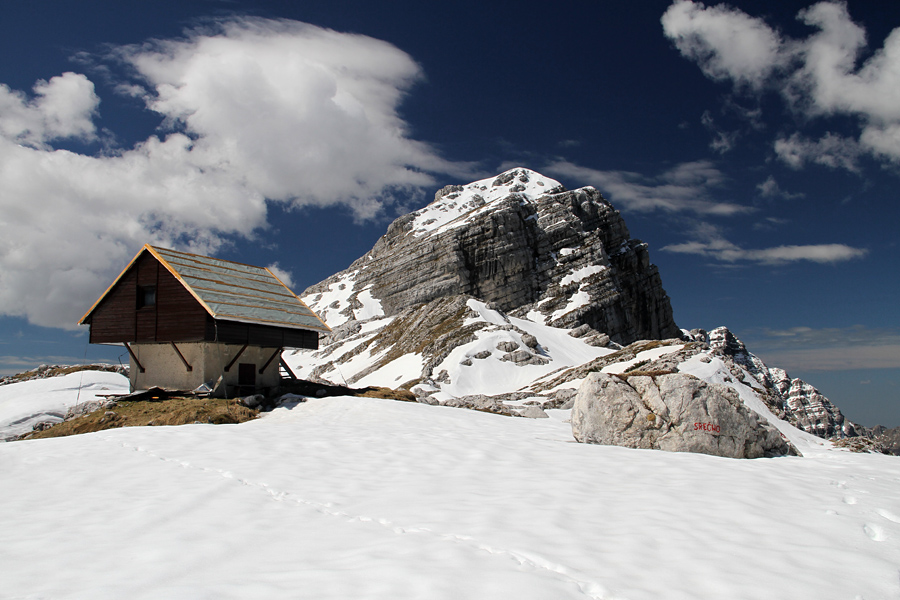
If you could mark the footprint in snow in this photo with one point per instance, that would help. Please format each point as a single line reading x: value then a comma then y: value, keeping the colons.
x: 875, y: 532
x: 850, y: 500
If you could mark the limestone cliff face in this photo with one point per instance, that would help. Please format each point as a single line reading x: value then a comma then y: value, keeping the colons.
x: 522, y: 242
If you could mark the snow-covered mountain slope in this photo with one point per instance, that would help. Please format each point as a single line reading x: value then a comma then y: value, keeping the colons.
x: 22, y: 405
x: 447, y: 349
x: 365, y: 498
x: 789, y: 398
x: 460, y: 352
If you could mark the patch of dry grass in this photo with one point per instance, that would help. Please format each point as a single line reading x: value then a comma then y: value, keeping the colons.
x: 639, y: 373
x: 172, y: 411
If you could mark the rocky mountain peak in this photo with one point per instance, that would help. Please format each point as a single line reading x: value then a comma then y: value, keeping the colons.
x: 520, y: 241
x: 453, y: 203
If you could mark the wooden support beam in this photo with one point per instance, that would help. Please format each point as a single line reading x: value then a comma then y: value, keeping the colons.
x: 287, y: 369
x: 236, y: 356
x: 135, y: 358
x: 181, y: 356
x: 271, y: 358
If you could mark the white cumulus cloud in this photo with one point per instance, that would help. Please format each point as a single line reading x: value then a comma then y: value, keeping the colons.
x: 63, y: 107
x: 725, y: 43
x: 818, y: 76
x: 253, y: 111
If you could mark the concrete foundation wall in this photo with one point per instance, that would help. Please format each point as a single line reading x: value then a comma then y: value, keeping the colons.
x: 163, y: 368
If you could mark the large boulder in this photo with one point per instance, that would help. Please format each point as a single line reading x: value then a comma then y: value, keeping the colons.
x: 674, y: 412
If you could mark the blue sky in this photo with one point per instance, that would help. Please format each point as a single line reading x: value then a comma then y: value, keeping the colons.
x: 755, y: 147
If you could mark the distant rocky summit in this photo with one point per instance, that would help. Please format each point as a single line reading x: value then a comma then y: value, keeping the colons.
x: 791, y: 399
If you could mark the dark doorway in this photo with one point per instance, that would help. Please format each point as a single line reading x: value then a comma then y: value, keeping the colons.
x: 246, y: 378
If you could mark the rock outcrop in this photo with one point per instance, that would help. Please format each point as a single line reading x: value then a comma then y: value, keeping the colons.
x: 674, y: 412
x: 792, y: 399
x: 521, y: 242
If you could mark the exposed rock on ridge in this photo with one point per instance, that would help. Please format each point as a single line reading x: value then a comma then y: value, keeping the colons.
x: 801, y: 404
x: 790, y: 399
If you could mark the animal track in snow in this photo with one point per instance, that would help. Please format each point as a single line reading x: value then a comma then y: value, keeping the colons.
x: 534, y: 562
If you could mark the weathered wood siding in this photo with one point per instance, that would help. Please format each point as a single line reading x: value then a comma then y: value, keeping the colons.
x: 145, y: 317
x: 176, y: 316
x: 179, y: 316
x: 114, y: 320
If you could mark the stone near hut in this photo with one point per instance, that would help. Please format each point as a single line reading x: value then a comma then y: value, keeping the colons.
x: 675, y: 412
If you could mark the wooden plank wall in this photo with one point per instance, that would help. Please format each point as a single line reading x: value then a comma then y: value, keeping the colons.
x: 177, y: 316
x: 113, y: 320
x: 145, y: 317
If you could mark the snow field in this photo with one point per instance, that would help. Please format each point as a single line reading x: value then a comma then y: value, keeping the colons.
x: 29, y: 402
x: 364, y: 498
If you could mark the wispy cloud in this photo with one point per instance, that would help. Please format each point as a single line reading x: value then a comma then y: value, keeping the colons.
x: 687, y: 187
x: 800, y: 337
x: 770, y: 189
x: 827, y: 349
x: 723, y: 141
x: 818, y: 76
x: 835, y: 359
x: 709, y: 242
x: 831, y: 150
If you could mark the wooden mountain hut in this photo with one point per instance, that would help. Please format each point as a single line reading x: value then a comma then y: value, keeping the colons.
x: 187, y: 320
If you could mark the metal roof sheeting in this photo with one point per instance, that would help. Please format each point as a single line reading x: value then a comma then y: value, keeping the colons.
x: 237, y: 292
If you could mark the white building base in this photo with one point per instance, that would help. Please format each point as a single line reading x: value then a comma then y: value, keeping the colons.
x: 188, y: 365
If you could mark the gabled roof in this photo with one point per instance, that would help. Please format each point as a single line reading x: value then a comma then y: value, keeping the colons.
x: 231, y: 291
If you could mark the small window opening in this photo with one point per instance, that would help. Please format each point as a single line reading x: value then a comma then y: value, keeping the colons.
x: 146, y: 296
